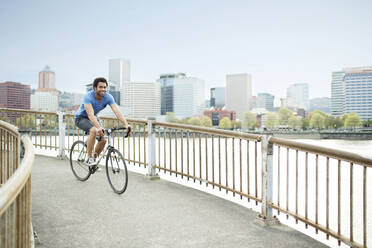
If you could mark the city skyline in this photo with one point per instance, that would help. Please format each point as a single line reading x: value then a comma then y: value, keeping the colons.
x: 278, y: 43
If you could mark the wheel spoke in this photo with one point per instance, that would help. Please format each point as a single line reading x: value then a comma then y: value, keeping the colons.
x: 78, y: 155
x: 116, y: 171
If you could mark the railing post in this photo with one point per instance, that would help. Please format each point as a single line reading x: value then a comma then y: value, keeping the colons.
x: 151, y: 150
x: 61, y: 131
x: 266, y: 215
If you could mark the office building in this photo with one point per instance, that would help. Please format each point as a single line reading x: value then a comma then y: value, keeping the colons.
x: 265, y: 101
x: 217, y: 115
x: 166, y: 84
x: 44, y: 101
x: 238, y: 93
x: 217, y: 99
x: 337, y: 93
x: 352, y: 92
x: 188, y: 97
x: 47, y: 81
x: 358, y: 92
x: 142, y: 99
x: 181, y: 95
x: 119, y: 72
x: 298, y: 96
x: 15, y: 95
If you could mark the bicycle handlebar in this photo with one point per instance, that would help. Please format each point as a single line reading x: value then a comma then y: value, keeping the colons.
x: 109, y: 130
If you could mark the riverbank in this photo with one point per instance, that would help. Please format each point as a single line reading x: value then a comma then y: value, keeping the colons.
x: 325, y: 135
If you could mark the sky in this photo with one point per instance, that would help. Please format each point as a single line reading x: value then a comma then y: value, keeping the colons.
x: 278, y: 42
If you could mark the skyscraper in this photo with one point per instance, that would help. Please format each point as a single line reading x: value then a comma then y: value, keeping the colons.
x: 266, y: 101
x: 298, y: 96
x: 44, y: 101
x: 358, y: 92
x: 15, y: 95
x: 218, y: 97
x: 188, y: 96
x: 119, y: 72
x: 142, y: 99
x: 352, y: 92
x: 166, y: 84
x: 238, y: 93
x: 47, y: 81
x: 337, y: 93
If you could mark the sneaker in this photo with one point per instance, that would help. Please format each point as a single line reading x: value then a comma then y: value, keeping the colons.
x: 91, y: 162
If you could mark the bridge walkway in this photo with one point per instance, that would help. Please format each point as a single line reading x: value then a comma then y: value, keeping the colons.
x: 69, y: 213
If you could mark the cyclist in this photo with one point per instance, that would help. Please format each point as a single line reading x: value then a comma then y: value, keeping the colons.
x: 86, y: 117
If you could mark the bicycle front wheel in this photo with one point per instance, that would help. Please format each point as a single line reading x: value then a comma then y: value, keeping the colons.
x: 116, y: 171
x: 78, y: 156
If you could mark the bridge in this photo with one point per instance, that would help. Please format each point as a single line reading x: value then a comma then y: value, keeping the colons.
x: 151, y: 213
x: 322, y: 192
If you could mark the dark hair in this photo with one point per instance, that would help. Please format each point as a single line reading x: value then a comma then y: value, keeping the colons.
x: 98, y: 80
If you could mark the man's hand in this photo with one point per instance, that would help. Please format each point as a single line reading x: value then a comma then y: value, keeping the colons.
x: 129, y: 129
x: 101, y: 132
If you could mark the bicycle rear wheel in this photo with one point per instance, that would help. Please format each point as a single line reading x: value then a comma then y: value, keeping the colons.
x: 116, y: 171
x: 78, y: 156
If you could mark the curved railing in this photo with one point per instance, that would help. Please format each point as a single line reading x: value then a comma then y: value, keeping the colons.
x: 329, y: 179
x: 323, y: 188
x: 15, y: 189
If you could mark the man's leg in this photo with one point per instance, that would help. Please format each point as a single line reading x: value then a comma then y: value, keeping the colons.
x: 91, y: 141
x: 99, y: 147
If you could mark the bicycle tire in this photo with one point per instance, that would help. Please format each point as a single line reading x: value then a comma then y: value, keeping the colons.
x: 112, y: 170
x: 78, y: 156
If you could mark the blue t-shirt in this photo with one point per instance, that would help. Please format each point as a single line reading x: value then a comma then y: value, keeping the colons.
x: 90, y: 98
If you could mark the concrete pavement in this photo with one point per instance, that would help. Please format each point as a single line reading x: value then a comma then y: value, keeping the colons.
x: 70, y: 213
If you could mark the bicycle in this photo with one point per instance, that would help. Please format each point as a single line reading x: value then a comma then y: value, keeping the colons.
x: 115, y: 163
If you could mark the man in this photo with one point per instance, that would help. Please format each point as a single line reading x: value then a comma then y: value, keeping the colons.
x: 85, y: 118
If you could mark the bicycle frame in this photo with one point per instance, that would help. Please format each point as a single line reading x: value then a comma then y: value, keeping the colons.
x: 109, y: 146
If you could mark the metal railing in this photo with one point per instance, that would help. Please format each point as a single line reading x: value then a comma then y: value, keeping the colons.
x: 316, y: 186
x: 15, y: 189
x: 339, y: 185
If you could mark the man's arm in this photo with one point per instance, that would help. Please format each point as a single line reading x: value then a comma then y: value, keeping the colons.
x: 92, y: 118
x: 119, y: 115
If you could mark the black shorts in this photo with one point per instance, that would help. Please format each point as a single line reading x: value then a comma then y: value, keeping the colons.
x: 83, y: 123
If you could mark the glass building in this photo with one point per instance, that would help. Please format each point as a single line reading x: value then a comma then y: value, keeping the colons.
x: 358, y: 92
x: 181, y: 95
x: 266, y: 101
x: 217, y: 97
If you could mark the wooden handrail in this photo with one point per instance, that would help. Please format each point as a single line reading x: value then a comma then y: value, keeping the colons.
x: 10, y: 190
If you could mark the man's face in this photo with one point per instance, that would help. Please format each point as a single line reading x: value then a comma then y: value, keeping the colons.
x: 100, y: 90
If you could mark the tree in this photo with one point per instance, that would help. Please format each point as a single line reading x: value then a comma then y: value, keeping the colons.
x: 49, y: 122
x: 305, y: 123
x: 317, y: 121
x: 337, y: 122
x: 170, y: 117
x: 195, y: 121
x: 367, y: 123
x: 317, y: 112
x: 206, y: 121
x: 284, y: 115
x: 271, y: 120
x: 328, y: 122
x: 352, y: 120
x: 249, y: 120
x: 225, y: 123
x: 294, y: 122
x: 26, y: 120
x: 236, y: 124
